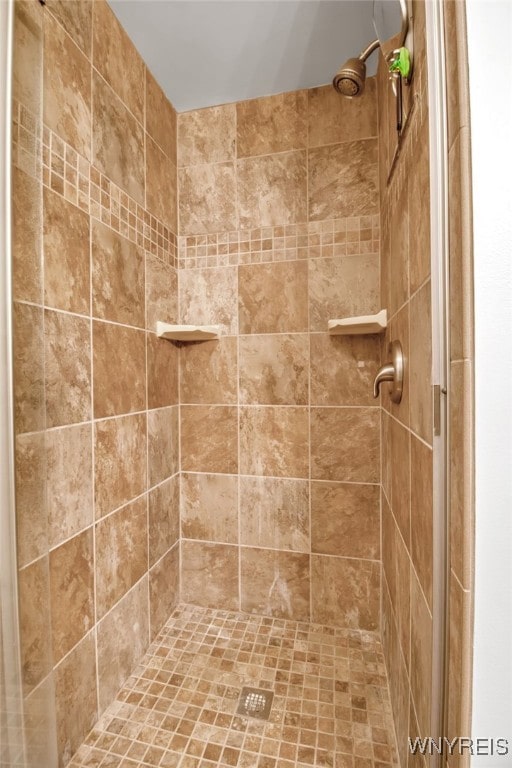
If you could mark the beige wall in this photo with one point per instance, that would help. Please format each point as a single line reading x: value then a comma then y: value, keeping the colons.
x: 96, y: 393
x: 280, y: 438
x: 407, y: 427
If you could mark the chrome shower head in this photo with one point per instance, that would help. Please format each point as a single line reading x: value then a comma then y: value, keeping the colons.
x: 350, y: 79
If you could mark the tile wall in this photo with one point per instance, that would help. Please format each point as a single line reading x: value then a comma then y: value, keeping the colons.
x: 280, y: 436
x: 461, y: 450
x: 281, y: 206
x: 96, y: 393
x: 407, y: 474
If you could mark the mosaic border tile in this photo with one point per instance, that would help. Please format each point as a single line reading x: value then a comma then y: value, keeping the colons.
x: 353, y: 236
x: 44, y: 155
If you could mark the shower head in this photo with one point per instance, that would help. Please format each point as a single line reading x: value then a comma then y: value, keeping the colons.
x: 350, y: 79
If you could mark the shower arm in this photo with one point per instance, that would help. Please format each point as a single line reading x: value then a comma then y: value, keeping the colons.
x: 369, y: 50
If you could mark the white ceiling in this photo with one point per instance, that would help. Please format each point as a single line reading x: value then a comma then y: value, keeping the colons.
x: 207, y: 52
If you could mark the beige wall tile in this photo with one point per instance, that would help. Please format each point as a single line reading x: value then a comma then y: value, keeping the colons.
x: 345, y: 519
x: 161, y: 118
x: 208, y: 372
x: 116, y: 58
x: 161, y: 185
x: 209, y: 297
x: 163, y: 444
x: 343, y: 369
x: 272, y: 297
x: 71, y: 592
x: 457, y: 65
x: 164, y: 518
x: 76, y: 18
x: 345, y: 444
x: 398, y: 329
x: 274, y: 441
x: 207, y: 135
x: 272, y: 124
x: 121, y: 553
x: 272, y: 190
x: 119, y: 461
x: 274, y: 369
x: 342, y: 287
x: 461, y: 249
x: 210, y: 574
x: 123, y: 638
x: 207, y: 199
x: 345, y: 592
x: 332, y: 119
x: 209, y: 507
x: 421, y: 656
x: 459, y: 674
x: 396, y: 564
x: 420, y: 375
x: 117, y: 277
x: 162, y: 365
x: 461, y: 465
x: 27, y: 55
x: 31, y: 517
x: 421, y: 514
x: 385, y: 455
x: 66, y: 255
x: 67, y: 368
x: 417, y: 760
x: 119, y: 367
x: 343, y: 180
x: 39, y: 721
x: 274, y: 512
x: 400, y: 464
x: 209, y: 439
x: 35, y: 626
x: 419, y: 212
x: 76, y: 698
x: 117, y: 141
x: 161, y: 292
x: 67, y: 88
x: 28, y: 368
x: 69, y: 481
x: 27, y: 219
x: 164, y: 579
x: 399, y: 251
x: 275, y: 583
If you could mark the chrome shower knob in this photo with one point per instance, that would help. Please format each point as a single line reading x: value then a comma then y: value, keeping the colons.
x: 392, y: 372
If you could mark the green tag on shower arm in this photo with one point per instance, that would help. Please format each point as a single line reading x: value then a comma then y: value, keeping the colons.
x: 402, y: 63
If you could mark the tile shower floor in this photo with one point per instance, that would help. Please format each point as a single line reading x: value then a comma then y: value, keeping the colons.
x: 178, y: 709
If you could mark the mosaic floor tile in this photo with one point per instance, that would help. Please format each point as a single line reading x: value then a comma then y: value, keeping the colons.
x: 178, y: 709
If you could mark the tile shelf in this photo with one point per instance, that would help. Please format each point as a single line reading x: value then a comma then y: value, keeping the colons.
x: 357, y: 326
x: 187, y: 332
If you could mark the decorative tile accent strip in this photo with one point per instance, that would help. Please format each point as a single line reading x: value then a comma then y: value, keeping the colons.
x: 42, y: 154
x: 352, y: 236
x: 330, y: 708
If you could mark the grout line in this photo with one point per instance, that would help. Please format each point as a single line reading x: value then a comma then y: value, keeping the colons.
x: 287, y: 550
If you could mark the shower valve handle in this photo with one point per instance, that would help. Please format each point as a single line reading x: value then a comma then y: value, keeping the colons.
x: 393, y: 372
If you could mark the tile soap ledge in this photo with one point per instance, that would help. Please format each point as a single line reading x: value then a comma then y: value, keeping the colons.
x: 357, y: 326
x: 187, y: 332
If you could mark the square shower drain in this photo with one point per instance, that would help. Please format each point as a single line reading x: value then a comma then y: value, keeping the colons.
x: 255, y: 702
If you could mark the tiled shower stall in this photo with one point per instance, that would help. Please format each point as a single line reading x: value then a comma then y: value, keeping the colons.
x: 253, y: 474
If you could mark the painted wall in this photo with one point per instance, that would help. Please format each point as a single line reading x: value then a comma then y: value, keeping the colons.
x: 490, y: 25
